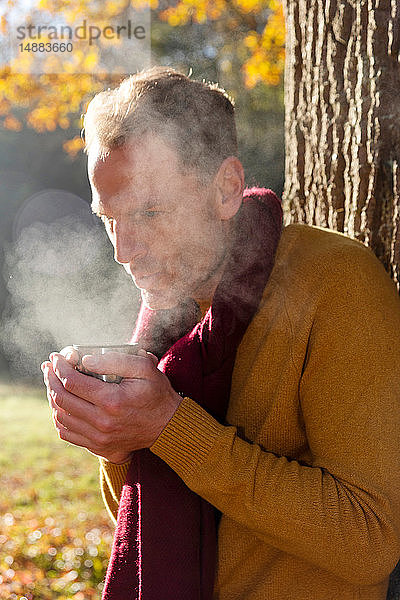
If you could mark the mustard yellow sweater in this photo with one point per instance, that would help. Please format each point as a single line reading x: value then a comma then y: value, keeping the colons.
x: 307, y: 473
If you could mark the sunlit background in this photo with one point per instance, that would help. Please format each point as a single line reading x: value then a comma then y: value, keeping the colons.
x: 59, y: 284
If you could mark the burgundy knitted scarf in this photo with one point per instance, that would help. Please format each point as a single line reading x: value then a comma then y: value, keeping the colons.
x: 166, y: 536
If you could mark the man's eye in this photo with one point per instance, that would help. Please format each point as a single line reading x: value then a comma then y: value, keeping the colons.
x: 151, y: 213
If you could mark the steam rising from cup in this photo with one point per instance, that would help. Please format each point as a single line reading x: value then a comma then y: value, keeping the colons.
x: 63, y: 283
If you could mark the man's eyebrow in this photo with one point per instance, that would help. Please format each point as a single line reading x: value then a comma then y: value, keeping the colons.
x: 151, y: 201
x: 158, y: 202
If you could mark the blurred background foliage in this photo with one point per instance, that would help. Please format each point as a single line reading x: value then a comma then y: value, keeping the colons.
x: 55, y: 535
x: 239, y: 43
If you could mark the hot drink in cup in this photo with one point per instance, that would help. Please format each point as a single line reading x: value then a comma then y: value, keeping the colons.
x: 83, y: 350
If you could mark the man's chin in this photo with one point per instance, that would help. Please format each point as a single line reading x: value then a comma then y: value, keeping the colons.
x: 159, y: 300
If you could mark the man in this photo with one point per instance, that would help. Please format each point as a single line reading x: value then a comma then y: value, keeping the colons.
x: 272, y: 417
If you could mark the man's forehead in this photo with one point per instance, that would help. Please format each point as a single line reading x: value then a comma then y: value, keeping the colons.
x: 121, y: 198
x: 116, y: 163
x: 138, y: 158
x: 109, y: 182
x: 119, y: 174
x: 121, y: 183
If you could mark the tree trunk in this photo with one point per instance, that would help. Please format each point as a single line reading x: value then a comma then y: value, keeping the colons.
x: 342, y: 95
x: 342, y: 126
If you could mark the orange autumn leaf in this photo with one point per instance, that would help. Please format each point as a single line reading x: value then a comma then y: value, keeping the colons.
x: 11, y: 123
x: 3, y: 24
x: 72, y: 147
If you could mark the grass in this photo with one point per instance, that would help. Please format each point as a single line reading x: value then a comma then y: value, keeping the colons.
x: 55, y: 536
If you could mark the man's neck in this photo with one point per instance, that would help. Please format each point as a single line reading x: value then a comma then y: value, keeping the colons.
x: 205, y: 292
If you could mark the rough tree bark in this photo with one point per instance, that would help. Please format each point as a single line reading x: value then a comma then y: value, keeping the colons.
x: 342, y: 95
x: 342, y: 102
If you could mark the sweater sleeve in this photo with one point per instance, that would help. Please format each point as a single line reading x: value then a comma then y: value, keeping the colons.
x: 342, y: 511
x: 112, y: 478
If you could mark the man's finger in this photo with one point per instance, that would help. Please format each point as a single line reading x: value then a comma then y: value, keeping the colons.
x: 70, y: 436
x: 81, y: 409
x: 152, y: 357
x: 116, y: 363
x: 70, y: 354
x: 96, y: 434
x: 88, y: 388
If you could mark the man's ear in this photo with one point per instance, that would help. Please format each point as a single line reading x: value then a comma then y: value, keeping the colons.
x: 229, y: 185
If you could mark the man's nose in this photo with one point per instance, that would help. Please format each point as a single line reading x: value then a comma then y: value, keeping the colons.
x: 127, y: 245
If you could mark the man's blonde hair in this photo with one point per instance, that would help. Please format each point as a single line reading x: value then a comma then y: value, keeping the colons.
x: 196, y: 118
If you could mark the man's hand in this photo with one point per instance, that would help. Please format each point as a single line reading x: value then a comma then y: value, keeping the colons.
x: 110, y: 420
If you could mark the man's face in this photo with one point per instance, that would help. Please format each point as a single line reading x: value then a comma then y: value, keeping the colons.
x: 164, y: 225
